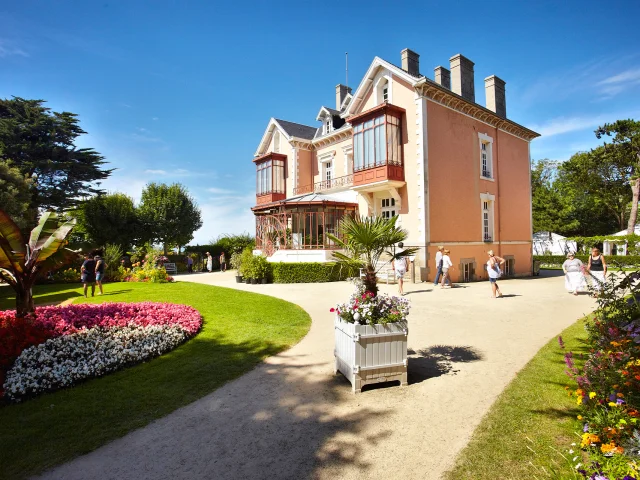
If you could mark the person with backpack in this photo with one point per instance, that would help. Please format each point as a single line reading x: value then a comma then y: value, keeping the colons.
x: 494, y: 271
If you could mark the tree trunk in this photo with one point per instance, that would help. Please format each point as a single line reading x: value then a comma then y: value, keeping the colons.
x: 370, y: 283
x: 635, y: 189
x: 164, y: 246
x: 24, y: 299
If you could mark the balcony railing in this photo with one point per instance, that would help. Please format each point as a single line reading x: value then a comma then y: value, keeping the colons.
x: 324, y: 185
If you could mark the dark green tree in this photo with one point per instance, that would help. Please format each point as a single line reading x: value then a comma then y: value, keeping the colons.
x: 41, y: 143
x: 168, y: 214
x: 549, y: 209
x: 15, y: 195
x: 625, y: 138
x: 109, y: 219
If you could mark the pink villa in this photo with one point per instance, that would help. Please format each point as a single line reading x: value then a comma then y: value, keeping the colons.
x: 456, y: 173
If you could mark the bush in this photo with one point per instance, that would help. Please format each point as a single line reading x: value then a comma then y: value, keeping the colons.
x: 311, y: 272
x: 236, y: 261
x: 621, y: 260
x: 261, y: 268
x: 246, y: 263
x: 70, y: 275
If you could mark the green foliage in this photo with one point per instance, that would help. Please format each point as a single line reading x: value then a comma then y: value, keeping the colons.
x: 246, y: 263
x: 109, y: 219
x: 15, y: 194
x: 169, y: 215
x: 236, y: 260
x: 42, y: 143
x: 22, y: 262
x: 69, y: 275
x: 230, y: 244
x: 550, y: 210
x: 111, y: 257
x: 261, y: 268
x: 312, y: 272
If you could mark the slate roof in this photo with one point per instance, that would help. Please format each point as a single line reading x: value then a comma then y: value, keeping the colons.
x: 297, y: 130
x: 331, y: 111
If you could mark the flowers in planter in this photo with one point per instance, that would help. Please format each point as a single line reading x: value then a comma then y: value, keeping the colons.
x: 131, y: 332
x: 365, y: 308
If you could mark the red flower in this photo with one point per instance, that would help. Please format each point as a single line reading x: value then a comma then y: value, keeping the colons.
x: 332, y: 310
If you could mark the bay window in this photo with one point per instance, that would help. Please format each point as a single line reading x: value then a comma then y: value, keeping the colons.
x: 377, y: 137
x: 270, y: 175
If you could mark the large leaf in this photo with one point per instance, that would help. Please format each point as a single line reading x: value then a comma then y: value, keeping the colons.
x: 46, y: 227
x: 10, y: 232
x: 8, y: 277
x: 55, y: 241
x: 62, y: 257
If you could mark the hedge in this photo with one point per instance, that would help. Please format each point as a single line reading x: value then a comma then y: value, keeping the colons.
x: 310, y: 272
x: 612, y: 260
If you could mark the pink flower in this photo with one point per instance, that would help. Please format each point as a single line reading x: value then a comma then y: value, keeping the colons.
x: 332, y: 310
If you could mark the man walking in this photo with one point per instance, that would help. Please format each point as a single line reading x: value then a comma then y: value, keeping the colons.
x: 223, y: 262
x: 438, y: 265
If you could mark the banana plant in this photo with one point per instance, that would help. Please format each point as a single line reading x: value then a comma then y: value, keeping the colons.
x: 22, y: 262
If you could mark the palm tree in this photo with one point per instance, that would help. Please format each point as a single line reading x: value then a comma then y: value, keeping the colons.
x: 21, y: 263
x: 364, y: 240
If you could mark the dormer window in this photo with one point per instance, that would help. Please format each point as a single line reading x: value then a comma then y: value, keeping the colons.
x: 328, y: 126
x: 385, y: 93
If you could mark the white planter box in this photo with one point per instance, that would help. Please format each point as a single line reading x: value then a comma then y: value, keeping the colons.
x: 367, y: 354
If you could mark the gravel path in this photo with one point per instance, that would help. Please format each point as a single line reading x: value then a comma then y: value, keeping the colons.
x: 291, y: 418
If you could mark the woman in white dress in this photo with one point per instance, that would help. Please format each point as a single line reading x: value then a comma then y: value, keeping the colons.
x: 573, y: 274
x: 400, y: 268
x: 447, y: 265
x: 494, y: 272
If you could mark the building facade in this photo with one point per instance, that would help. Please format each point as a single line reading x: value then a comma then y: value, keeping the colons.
x: 456, y: 173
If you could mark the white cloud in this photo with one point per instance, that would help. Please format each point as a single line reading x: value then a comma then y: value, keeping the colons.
x: 613, y: 85
x: 156, y: 172
x: 222, y: 215
x: 8, y: 48
x: 125, y: 184
x: 560, y: 125
x: 219, y: 190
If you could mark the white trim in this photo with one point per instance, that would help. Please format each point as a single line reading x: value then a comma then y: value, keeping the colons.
x: 368, y: 78
x: 326, y: 156
x: 486, y: 139
x: 266, y: 137
x: 294, y: 154
x: 422, y: 180
x: 490, y: 200
x: 320, y: 115
x: 383, y: 76
x: 347, y: 98
x: 488, y: 196
x: 347, y: 151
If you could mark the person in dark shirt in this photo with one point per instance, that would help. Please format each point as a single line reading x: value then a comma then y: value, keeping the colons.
x: 88, y: 274
x: 99, y: 272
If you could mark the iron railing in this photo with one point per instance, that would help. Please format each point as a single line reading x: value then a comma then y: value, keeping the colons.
x: 324, y: 185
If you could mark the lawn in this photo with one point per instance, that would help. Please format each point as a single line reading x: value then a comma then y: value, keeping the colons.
x: 240, y: 329
x: 532, y: 422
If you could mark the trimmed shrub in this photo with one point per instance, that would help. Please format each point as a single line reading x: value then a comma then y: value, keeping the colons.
x: 310, y: 272
x: 612, y: 260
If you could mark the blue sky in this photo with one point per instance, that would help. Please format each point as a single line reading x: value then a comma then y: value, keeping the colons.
x: 182, y: 91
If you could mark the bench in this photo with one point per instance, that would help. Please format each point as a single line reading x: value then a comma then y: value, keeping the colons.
x: 171, y: 268
x: 384, y: 273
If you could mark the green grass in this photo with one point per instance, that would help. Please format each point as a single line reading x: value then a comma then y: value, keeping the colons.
x: 534, y: 406
x: 240, y: 329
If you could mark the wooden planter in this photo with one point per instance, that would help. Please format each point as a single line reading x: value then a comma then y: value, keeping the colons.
x: 367, y: 354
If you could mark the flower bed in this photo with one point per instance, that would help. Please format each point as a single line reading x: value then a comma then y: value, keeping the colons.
x: 59, y: 346
x: 608, y: 393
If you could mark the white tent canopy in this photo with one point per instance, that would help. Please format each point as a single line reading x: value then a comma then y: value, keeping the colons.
x: 620, y: 248
x: 552, y: 243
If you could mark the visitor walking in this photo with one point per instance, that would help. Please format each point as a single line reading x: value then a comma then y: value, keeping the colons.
x: 438, y: 265
x: 446, y: 266
x: 100, y: 266
x: 209, y: 262
x: 223, y: 263
x: 88, y: 274
x: 400, y: 267
x: 598, y: 269
x: 494, y: 271
x: 189, y: 261
x: 573, y: 274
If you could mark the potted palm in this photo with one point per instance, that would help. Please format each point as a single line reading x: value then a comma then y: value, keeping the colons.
x: 236, y: 263
x: 371, y: 330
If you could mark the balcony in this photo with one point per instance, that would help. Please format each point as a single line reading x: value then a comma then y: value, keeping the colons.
x: 270, y: 197
x: 325, y: 185
x: 379, y: 174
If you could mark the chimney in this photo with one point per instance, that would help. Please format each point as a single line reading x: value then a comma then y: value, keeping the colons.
x: 443, y: 77
x: 410, y: 62
x: 496, y: 99
x: 462, y: 77
x: 341, y: 93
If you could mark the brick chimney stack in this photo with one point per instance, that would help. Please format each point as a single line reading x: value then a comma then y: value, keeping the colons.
x: 410, y: 62
x: 496, y: 98
x: 341, y: 94
x: 443, y: 77
x: 462, y: 77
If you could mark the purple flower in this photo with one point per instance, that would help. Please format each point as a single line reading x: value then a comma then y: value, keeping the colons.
x: 560, y: 341
x: 620, y: 401
x: 585, y: 429
x: 612, y: 397
x: 568, y: 359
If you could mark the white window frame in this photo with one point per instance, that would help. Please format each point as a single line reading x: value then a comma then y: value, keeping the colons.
x: 327, y: 125
x: 384, y: 81
x: 487, y: 232
x: 276, y: 142
x: 328, y: 171
x: 388, y: 207
x: 487, y: 141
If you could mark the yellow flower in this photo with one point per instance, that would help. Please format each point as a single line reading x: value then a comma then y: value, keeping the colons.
x: 612, y: 404
x: 579, y: 417
x: 579, y: 401
x: 592, y: 394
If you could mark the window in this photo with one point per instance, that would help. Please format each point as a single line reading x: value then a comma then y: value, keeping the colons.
x: 377, y: 141
x: 328, y: 126
x: 468, y: 269
x: 270, y: 177
x: 509, y: 266
x: 487, y: 202
x: 388, y: 209
x: 328, y: 171
x: 385, y: 93
x: 486, y: 156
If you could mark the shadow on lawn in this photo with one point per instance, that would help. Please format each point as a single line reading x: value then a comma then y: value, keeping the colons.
x: 277, y: 421
x: 438, y: 360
